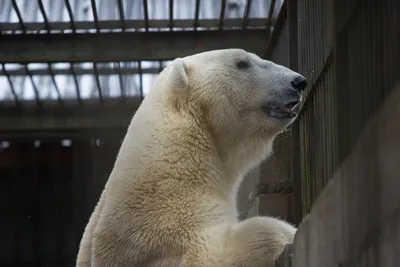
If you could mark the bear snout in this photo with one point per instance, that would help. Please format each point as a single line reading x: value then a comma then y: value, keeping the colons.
x: 299, y: 83
x: 284, y: 105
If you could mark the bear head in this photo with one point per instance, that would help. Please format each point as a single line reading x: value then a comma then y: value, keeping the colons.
x: 241, y: 99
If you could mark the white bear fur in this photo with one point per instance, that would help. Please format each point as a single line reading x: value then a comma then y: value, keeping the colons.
x: 171, y: 197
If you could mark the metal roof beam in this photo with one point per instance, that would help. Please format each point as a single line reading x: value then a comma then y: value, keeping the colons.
x: 101, y: 70
x: 69, y: 116
x: 155, y: 24
x: 125, y: 46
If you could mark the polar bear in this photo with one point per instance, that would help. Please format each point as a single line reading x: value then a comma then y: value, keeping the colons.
x: 171, y: 197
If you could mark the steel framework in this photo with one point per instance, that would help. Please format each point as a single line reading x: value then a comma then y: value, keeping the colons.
x: 70, y: 51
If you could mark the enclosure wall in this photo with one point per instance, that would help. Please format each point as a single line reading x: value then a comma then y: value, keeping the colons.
x: 349, y: 52
x: 346, y: 139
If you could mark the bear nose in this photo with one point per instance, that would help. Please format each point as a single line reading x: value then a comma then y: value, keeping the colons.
x: 300, y: 83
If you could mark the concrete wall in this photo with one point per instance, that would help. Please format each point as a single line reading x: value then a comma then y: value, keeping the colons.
x: 267, y: 190
x: 247, y: 195
x: 356, y: 219
x: 275, y: 188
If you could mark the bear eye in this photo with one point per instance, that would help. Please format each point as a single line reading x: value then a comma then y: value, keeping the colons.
x: 242, y: 64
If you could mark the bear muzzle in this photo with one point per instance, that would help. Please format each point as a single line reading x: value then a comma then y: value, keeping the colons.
x: 283, y: 108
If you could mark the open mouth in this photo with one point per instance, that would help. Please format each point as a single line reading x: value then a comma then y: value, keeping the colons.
x: 286, y: 111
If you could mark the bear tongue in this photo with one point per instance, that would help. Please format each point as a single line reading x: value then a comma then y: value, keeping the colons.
x: 286, y: 108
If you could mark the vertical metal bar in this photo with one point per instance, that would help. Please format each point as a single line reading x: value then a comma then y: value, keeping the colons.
x: 293, y: 34
x: 71, y: 16
x: 95, y: 16
x: 171, y: 14
x: 196, y: 15
x: 300, y: 176
x: 160, y: 66
x: 33, y: 85
x: 146, y: 14
x: 43, y: 12
x: 328, y: 129
x: 331, y: 160
x: 35, y: 203
x: 323, y: 119
x: 11, y: 84
x: 78, y: 92
x: 121, y: 13
x: 306, y: 162
x: 97, y: 78
x: 270, y: 14
x: 57, y: 191
x: 140, y: 79
x: 222, y: 14
x: 296, y: 141
x: 300, y: 37
x: 120, y: 79
x: 21, y: 21
x: 314, y: 148
x: 308, y: 122
x: 341, y: 59
x: 54, y: 83
x: 16, y: 175
x: 321, y: 146
x: 313, y: 41
x: 78, y: 185
x: 246, y: 14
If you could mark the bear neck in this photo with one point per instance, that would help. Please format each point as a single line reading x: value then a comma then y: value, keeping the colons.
x: 239, y: 157
x: 179, y: 149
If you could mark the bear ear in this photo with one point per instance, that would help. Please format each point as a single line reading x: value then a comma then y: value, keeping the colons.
x: 177, y: 75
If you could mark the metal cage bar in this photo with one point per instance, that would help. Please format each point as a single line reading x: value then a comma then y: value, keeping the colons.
x: 95, y: 15
x: 120, y: 80
x: 146, y: 15
x: 171, y: 14
x: 121, y: 13
x: 76, y: 82
x: 36, y: 91
x: 247, y: 11
x: 98, y: 83
x: 43, y: 12
x: 18, y: 12
x: 196, y: 15
x: 270, y: 13
x: 140, y: 79
x: 71, y: 16
x: 53, y: 80
x: 10, y: 83
x: 222, y: 14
